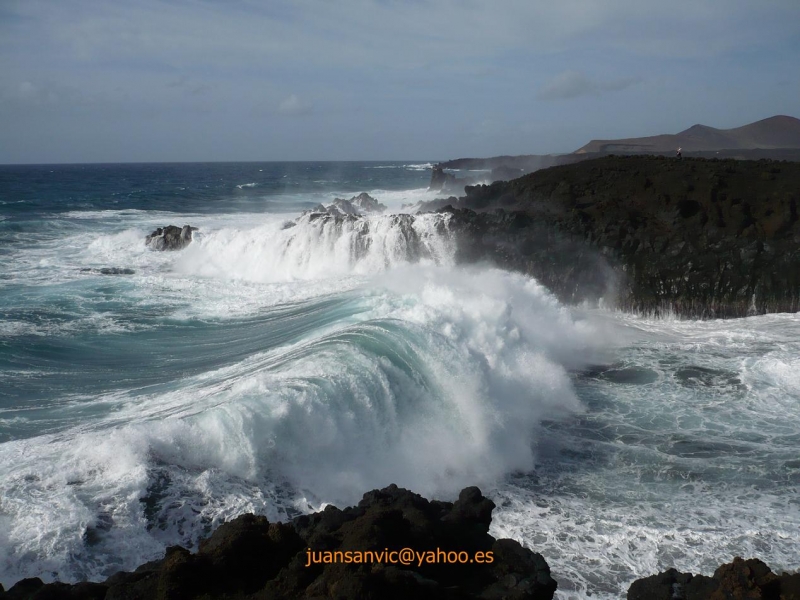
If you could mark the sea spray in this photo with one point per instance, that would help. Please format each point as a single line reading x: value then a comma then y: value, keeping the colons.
x: 141, y: 411
x: 320, y: 246
x: 437, y: 378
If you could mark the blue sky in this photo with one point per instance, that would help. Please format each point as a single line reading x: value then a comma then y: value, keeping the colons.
x: 190, y: 80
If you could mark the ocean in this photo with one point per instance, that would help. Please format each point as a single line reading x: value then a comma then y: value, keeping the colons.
x: 279, y: 363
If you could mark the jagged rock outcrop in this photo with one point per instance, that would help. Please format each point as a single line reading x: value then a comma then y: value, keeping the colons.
x: 739, y: 580
x: 170, y: 237
x: 408, y: 245
x: 366, y: 203
x: 440, y: 180
x: 356, y: 206
x: 703, y: 238
x: 251, y: 558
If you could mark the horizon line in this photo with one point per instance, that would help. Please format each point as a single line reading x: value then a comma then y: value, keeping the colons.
x: 195, y: 162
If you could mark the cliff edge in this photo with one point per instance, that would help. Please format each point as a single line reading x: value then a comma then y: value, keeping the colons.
x: 697, y: 237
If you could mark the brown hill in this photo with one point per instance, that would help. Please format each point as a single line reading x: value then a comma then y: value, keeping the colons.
x: 775, y: 132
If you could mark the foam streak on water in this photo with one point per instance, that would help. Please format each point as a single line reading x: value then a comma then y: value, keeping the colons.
x: 686, y: 456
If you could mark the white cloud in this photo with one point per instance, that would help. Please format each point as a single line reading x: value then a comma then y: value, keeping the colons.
x: 403, y: 68
x: 572, y: 84
x: 292, y: 106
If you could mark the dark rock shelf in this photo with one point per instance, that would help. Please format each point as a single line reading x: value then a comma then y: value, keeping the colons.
x: 251, y: 558
x: 696, y: 237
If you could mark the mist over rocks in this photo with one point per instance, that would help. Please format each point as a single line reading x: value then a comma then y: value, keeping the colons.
x: 497, y: 168
x: 251, y: 558
x: 517, y: 241
x: 355, y: 206
x: 170, y: 237
x: 777, y: 138
x: 441, y: 181
x: 696, y: 237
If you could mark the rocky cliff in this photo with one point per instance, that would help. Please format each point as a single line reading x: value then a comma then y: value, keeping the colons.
x: 702, y: 238
x: 740, y: 579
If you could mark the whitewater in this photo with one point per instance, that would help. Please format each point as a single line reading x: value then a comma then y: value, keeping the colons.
x: 281, y: 363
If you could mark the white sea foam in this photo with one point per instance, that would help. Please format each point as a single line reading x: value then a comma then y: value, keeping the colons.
x: 692, y: 465
x: 436, y: 380
x: 409, y: 167
x: 397, y: 201
x: 374, y: 359
x: 318, y: 248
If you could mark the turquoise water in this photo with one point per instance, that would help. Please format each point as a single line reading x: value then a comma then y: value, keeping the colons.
x: 274, y: 369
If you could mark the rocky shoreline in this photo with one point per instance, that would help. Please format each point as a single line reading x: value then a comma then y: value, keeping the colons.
x: 251, y: 558
x: 697, y: 238
x: 693, y: 237
x: 320, y: 555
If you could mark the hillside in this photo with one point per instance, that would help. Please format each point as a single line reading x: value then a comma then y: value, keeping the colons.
x: 772, y: 133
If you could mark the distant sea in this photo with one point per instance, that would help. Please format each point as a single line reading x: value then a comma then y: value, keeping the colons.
x: 279, y: 363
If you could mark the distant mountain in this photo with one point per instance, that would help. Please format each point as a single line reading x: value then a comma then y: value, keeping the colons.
x: 772, y: 133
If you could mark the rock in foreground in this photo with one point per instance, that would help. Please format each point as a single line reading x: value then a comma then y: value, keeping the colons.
x: 251, y: 558
x: 170, y: 237
x: 740, y: 580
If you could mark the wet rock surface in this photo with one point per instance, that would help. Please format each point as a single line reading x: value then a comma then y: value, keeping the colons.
x: 356, y: 206
x: 170, y: 237
x: 738, y: 580
x: 252, y: 558
x: 696, y: 237
x: 109, y: 271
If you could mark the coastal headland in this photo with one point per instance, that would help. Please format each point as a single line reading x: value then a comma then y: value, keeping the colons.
x: 694, y: 237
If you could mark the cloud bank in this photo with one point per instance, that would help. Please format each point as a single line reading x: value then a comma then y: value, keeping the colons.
x: 91, y: 80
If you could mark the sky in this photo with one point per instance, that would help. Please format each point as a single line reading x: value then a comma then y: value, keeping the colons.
x: 240, y: 80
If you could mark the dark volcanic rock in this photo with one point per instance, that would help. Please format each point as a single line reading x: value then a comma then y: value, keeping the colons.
x: 707, y: 238
x: 110, y: 271
x: 739, y: 580
x: 355, y: 206
x: 504, y: 173
x: 23, y: 589
x: 447, y: 182
x: 562, y: 262
x: 170, y: 237
x: 251, y: 558
x: 366, y: 203
x: 441, y: 180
